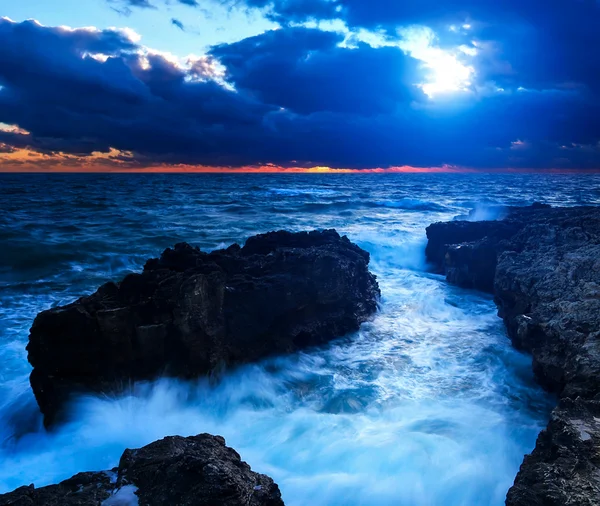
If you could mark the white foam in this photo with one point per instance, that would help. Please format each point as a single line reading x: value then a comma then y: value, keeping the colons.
x: 125, y: 496
x: 428, y: 405
x: 425, y: 406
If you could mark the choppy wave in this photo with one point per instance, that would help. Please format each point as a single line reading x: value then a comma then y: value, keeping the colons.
x: 412, y: 204
x: 428, y: 393
x: 333, y: 206
x: 427, y: 405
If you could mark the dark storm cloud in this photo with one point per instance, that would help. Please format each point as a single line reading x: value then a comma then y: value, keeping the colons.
x: 551, y: 44
x: 296, y: 98
x: 536, y: 44
x: 392, y: 13
x: 306, y: 71
x: 76, y: 104
x: 480, y: 137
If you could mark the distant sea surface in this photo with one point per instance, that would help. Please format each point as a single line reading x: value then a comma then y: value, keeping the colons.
x: 427, y: 405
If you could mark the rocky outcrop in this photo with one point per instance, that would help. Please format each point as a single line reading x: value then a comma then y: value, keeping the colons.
x: 545, y: 270
x: 543, y: 267
x: 197, y: 470
x: 190, y: 313
x: 562, y: 470
x: 467, y: 251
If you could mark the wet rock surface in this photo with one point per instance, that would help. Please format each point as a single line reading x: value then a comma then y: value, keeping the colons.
x: 543, y: 267
x: 196, y: 470
x: 190, y: 313
x: 467, y: 251
x: 563, y: 468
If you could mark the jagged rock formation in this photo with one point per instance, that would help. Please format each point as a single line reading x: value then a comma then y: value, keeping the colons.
x: 543, y: 267
x: 189, y: 313
x: 467, y: 251
x: 562, y: 470
x: 197, y: 470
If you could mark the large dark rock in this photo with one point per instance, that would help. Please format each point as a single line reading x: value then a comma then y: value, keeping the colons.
x: 563, y: 468
x: 547, y: 288
x: 467, y: 251
x: 543, y: 267
x: 190, y: 313
x: 197, y: 470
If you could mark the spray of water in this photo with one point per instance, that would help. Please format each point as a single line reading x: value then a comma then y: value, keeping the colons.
x: 426, y: 405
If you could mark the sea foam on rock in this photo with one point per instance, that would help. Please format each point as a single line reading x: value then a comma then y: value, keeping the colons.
x: 543, y: 266
x: 190, y: 313
x: 196, y: 470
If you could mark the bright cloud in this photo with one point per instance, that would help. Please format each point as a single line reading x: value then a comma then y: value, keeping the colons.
x: 445, y: 71
x: 14, y: 129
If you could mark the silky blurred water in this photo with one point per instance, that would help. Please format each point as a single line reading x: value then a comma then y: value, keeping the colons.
x: 426, y: 405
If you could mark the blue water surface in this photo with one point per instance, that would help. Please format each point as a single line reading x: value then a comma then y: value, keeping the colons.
x: 427, y: 405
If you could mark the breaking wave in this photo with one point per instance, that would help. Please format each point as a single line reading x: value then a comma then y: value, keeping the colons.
x: 427, y: 405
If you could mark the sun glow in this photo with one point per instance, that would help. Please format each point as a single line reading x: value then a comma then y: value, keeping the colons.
x: 446, y: 72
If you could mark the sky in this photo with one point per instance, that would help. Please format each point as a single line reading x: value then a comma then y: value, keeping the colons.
x: 300, y: 85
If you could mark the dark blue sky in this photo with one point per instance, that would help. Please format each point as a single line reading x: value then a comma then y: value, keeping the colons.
x: 337, y: 83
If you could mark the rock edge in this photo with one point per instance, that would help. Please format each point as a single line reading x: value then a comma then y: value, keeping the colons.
x: 183, y: 471
x: 543, y: 266
x: 191, y: 313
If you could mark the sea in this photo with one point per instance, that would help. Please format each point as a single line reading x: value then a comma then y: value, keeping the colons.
x: 426, y: 405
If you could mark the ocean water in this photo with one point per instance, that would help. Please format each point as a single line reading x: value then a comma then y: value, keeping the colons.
x: 427, y: 405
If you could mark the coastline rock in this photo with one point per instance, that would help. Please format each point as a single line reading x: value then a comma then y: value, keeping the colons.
x: 560, y: 471
x: 545, y: 267
x: 190, y: 313
x: 547, y: 288
x: 197, y: 470
x: 467, y: 251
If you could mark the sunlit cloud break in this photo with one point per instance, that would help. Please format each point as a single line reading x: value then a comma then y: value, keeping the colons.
x: 342, y: 85
x: 445, y: 71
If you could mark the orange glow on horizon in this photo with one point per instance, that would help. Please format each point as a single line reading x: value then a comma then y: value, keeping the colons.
x: 115, y: 161
x: 268, y: 169
x: 276, y: 169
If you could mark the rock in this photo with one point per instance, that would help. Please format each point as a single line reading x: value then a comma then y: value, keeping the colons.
x: 543, y: 267
x: 467, y: 251
x: 83, y: 489
x: 197, y: 470
x: 563, y: 468
x: 190, y: 313
x: 547, y: 288
x: 442, y: 236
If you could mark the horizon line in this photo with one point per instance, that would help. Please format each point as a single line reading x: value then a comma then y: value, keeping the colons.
x: 301, y: 170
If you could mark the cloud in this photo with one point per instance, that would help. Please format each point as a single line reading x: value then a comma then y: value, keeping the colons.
x: 307, y: 71
x: 178, y: 24
x: 515, y: 43
x: 123, y: 7
x: 145, y: 4
x: 5, y: 148
x: 142, y: 4
x: 525, y: 42
x: 76, y: 102
x: 296, y: 96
